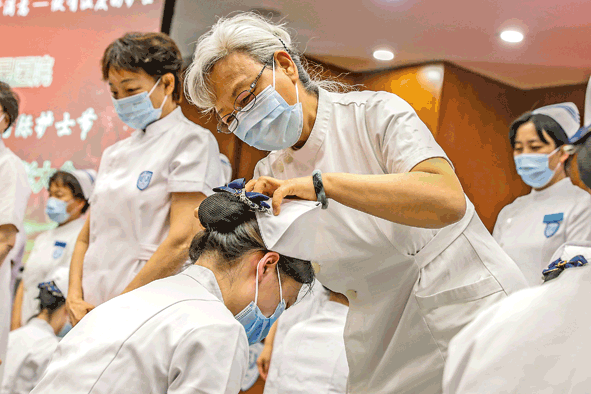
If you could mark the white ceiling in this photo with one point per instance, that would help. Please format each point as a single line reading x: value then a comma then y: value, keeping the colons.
x: 556, y: 49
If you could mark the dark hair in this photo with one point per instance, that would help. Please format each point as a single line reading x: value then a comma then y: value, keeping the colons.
x: 9, y: 101
x: 232, y: 231
x: 70, y: 181
x: 50, y: 301
x: 541, y: 122
x: 155, y: 53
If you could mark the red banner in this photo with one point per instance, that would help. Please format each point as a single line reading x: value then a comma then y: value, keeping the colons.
x: 50, y: 55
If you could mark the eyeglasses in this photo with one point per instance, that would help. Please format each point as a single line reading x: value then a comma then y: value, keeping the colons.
x: 243, y: 103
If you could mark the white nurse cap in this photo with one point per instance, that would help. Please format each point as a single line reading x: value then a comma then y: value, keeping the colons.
x: 60, y: 277
x: 565, y: 114
x: 86, y: 180
x: 292, y: 233
x: 571, y: 249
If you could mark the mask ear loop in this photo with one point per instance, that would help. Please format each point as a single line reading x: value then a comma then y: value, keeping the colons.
x: 296, y: 86
x: 256, y: 292
x: 150, y: 93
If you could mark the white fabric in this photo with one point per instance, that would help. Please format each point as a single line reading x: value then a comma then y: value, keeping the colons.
x: 312, y: 358
x: 309, y: 306
x: 569, y: 250
x: 535, y: 341
x: 52, y: 250
x: 521, y: 231
x: 130, y: 214
x: 86, y: 179
x: 61, y: 278
x: 226, y: 170
x: 291, y: 232
x: 398, y: 327
x: 565, y: 114
x: 173, y: 336
x: 14, y: 196
x: 29, y: 351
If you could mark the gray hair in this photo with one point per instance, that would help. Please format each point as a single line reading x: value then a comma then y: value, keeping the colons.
x: 253, y: 35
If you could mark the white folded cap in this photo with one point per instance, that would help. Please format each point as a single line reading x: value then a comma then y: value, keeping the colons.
x: 565, y: 114
x: 292, y: 233
x: 86, y: 180
x: 60, y: 276
x: 571, y: 249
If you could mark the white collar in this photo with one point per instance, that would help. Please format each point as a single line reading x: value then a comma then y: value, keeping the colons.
x: 550, y: 191
x: 308, y: 152
x: 206, y: 278
x: 163, y: 124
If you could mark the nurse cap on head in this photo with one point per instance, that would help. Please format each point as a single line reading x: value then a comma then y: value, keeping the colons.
x: 565, y: 114
x: 55, y: 285
x: 292, y: 233
x: 86, y: 180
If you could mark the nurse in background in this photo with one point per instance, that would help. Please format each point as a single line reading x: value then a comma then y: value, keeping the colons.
x: 312, y: 356
x: 67, y: 203
x: 30, y: 347
x: 189, y: 333
x: 148, y: 184
x: 398, y: 236
x: 14, y: 195
x: 531, y: 228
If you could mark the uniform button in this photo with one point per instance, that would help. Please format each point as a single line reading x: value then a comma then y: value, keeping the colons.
x: 316, y: 267
x: 289, y: 159
x: 351, y: 294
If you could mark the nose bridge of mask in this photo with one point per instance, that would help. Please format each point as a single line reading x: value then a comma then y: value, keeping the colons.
x: 256, y: 293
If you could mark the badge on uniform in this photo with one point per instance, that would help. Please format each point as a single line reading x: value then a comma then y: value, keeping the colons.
x: 58, y: 249
x: 552, y: 223
x: 144, y: 180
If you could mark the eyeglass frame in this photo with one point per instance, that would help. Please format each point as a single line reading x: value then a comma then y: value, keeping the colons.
x: 252, y: 86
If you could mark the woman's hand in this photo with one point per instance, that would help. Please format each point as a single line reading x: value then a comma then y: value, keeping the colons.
x: 302, y: 188
x: 77, y: 308
x: 264, y: 361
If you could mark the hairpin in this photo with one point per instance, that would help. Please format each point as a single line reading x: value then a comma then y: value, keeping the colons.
x: 255, y: 201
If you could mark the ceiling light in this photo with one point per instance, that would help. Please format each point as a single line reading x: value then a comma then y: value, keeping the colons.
x: 383, y: 54
x: 512, y: 36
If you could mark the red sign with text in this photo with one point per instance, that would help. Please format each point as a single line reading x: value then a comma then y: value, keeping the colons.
x: 50, y: 55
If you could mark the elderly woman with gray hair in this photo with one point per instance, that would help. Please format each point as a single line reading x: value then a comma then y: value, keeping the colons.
x: 397, y: 236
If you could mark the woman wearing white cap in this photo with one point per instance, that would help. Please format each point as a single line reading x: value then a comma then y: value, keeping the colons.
x: 147, y: 183
x: 399, y: 239
x: 30, y: 347
x: 69, y: 193
x: 532, y: 227
x: 190, y: 332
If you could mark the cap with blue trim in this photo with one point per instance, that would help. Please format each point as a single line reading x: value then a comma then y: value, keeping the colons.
x: 565, y: 114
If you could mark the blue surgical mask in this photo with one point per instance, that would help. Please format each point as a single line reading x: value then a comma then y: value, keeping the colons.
x: 57, y: 210
x: 257, y: 326
x: 534, y: 168
x: 137, y: 111
x: 271, y: 124
x: 65, y: 329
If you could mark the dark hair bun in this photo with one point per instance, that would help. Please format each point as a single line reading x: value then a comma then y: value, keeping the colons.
x: 48, y: 300
x: 223, y: 212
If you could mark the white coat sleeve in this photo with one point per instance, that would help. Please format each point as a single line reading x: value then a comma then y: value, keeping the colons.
x: 579, y: 226
x: 196, y: 166
x: 399, y: 136
x: 34, y: 367
x: 210, y: 361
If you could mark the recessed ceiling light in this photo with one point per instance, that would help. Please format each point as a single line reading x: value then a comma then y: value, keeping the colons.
x: 383, y: 54
x: 512, y: 36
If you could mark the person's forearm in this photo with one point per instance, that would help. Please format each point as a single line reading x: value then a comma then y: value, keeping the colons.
x: 167, y: 260
x: 77, y: 262
x: 7, y: 240
x: 416, y: 199
x: 17, y: 307
x: 5, y: 248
